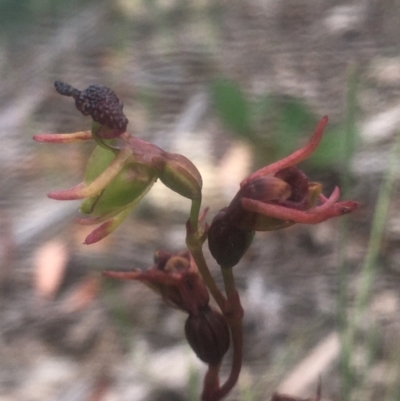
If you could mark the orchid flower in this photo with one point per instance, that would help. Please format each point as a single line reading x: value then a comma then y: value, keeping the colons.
x: 274, y: 197
x: 175, y: 277
x: 122, y: 168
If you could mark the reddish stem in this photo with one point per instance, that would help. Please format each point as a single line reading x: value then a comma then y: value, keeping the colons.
x: 211, y: 383
x: 234, y: 316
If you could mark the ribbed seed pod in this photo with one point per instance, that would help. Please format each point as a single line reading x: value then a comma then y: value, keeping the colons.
x: 208, y: 334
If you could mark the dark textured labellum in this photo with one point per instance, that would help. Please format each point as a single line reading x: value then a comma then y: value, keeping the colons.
x: 98, y: 101
x: 65, y: 89
x: 227, y: 243
x: 208, y: 334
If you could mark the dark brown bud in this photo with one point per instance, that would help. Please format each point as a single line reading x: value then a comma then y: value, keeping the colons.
x: 208, y: 334
x: 227, y: 243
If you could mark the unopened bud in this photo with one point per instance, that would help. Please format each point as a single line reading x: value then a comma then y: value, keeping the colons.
x: 181, y: 175
x: 208, y: 334
x: 227, y: 243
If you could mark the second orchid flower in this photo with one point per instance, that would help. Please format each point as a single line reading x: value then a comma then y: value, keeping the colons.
x: 274, y: 197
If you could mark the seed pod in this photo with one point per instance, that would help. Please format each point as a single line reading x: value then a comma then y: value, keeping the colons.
x: 208, y: 335
x: 227, y: 243
x: 181, y: 175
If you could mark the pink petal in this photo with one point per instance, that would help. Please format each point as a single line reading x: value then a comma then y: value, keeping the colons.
x: 315, y: 215
x: 109, y: 226
x: 294, y: 158
x: 63, y: 138
x: 99, y: 233
x: 82, y: 191
x: 122, y: 275
x: 76, y: 192
x: 327, y: 202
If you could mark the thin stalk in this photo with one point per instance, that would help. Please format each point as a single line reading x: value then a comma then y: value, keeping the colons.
x: 194, y: 242
x: 229, y: 281
x: 347, y: 152
x: 194, y: 215
x: 378, y: 226
x: 237, y: 344
x: 375, y: 242
x: 209, y: 281
x: 211, y: 382
x: 234, y: 317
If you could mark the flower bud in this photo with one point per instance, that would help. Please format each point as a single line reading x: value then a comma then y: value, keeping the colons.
x: 181, y: 175
x: 227, y: 243
x: 208, y: 334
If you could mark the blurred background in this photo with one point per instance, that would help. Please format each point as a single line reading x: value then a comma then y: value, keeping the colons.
x: 233, y: 85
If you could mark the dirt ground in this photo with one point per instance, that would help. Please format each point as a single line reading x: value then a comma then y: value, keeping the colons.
x: 66, y: 334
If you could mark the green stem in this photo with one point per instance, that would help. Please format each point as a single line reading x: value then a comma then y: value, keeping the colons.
x: 375, y: 241
x: 194, y: 242
x: 378, y: 226
x: 229, y: 281
x: 209, y: 281
x: 347, y: 152
x: 194, y: 214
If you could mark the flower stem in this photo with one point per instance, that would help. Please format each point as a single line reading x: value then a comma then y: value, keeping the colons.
x: 194, y: 242
x: 211, y: 382
x: 194, y: 214
x: 229, y: 305
x: 234, y: 316
x: 237, y: 340
x: 229, y: 281
x: 198, y: 257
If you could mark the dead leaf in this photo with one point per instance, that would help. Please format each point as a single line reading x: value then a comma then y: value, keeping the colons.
x: 50, y: 262
x: 285, y: 397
